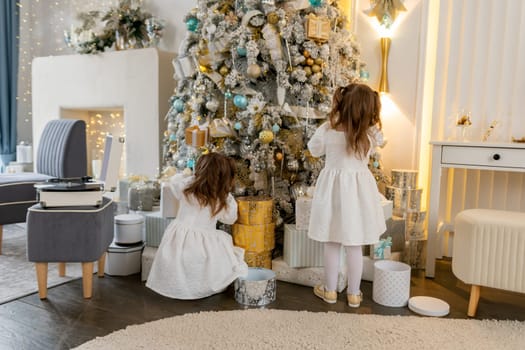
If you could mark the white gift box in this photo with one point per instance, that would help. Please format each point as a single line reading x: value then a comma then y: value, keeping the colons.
x: 306, y: 276
x: 123, y: 260
x: 299, y: 250
x: 303, y: 207
x: 169, y: 205
x: 156, y: 224
x: 368, y: 265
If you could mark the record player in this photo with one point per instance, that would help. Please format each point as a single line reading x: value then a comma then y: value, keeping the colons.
x: 83, y: 191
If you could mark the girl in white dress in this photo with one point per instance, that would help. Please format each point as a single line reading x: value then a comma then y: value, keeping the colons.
x: 194, y: 259
x: 346, y: 207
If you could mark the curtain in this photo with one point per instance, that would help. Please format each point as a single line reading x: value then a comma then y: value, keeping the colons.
x: 9, y: 19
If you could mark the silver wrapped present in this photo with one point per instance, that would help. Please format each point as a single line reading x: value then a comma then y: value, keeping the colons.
x: 403, y: 178
x: 258, y: 288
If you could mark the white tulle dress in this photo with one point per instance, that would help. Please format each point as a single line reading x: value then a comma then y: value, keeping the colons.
x: 346, y: 207
x: 194, y: 259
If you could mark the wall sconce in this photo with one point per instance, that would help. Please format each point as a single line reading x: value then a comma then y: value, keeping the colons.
x: 386, y: 12
x: 385, y: 49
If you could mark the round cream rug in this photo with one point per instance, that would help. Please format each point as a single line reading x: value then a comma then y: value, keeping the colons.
x: 279, y: 329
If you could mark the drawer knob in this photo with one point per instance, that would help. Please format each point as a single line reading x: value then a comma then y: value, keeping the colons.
x: 496, y: 156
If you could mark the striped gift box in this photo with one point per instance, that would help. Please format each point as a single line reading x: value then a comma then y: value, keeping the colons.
x: 299, y: 250
x: 155, y: 227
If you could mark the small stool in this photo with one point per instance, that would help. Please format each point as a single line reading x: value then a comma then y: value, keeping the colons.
x: 69, y: 234
x: 488, y: 251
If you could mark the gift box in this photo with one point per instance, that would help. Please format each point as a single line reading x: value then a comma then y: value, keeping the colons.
x: 415, y: 225
x: 405, y: 200
x: 415, y: 254
x: 185, y: 67
x: 299, y: 250
x: 254, y: 238
x: 255, y: 210
x: 156, y: 224
x: 196, y: 136
x: 169, y: 204
x: 368, y: 265
x: 318, y: 28
x: 306, y: 276
x: 303, y: 207
x: 382, y: 249
x: 259, y: 259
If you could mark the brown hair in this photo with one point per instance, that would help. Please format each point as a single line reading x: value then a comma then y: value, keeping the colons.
x: 214, y: 179
x: 355, y: 108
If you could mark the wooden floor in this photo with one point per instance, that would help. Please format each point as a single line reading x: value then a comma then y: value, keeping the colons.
x: 66, y: 320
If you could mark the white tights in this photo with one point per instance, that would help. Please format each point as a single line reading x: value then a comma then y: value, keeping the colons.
x: 354, y: 264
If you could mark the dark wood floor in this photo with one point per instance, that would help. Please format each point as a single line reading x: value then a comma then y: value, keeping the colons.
x: 66, y: 320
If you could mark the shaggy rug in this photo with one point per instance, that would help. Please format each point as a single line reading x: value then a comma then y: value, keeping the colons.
x: 278, y: 329
x: 17, y: 275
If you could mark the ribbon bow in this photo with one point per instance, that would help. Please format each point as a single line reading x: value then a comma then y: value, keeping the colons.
x: 383, y: 244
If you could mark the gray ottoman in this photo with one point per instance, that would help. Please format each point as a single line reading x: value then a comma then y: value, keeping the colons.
x: 69, y: 234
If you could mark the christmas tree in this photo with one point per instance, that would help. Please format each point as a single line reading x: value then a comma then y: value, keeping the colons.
x: 255, y: 78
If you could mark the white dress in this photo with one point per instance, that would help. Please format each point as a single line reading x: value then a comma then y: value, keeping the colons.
x: 194, y: 259
x: 346, y: 207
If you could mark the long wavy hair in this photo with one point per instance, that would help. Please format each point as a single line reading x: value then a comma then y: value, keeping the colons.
x: 355, y: 108
x: 214, y: 180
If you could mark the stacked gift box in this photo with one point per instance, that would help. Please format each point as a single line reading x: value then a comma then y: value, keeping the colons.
x: 254, y: 230
x: 302, y: 260
x: 406, y: 198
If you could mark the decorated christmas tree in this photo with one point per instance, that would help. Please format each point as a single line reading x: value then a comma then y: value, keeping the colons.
x: 255, y: 78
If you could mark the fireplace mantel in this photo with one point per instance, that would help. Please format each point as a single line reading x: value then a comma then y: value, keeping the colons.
x: 140, y: 82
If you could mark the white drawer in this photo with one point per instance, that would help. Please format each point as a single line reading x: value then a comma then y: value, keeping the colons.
x: 490, y: 157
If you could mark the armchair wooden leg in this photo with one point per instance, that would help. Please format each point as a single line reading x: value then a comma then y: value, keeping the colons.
x: 1, y: 234
x: 473, y: 301
x: 101, y: 264
x: 87, y: 279
x: 41, y: 277
x: 61, y: 269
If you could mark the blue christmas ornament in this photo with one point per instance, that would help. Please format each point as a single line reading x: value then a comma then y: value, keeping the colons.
x: 237, y: 126
x: 240, y: 101
x: 363, y: 74
x: 316, y: 3
x: 190, y: 163
x: 178, y: 104
x: 228, y: 95
x: 192, y: 23
x: 376, y: 164
x: 276, y: 128
x: 173, y: 137
x: 241, y: 51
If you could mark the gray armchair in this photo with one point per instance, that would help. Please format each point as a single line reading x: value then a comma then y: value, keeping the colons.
x: 61, y: 153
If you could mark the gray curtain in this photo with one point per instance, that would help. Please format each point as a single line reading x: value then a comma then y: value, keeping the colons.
x: 9, y: 20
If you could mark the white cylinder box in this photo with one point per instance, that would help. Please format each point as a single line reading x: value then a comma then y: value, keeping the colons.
x: 391, y: 283
x: 129, y: 228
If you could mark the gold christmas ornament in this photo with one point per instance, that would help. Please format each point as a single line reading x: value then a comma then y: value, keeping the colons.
x: 316, y: 68
x: 306, y: 53
x: 253, y: 71
x: 309, y: 61
x: 279, y: 156
x: 224, y: 70
x: 273, y: 18
x: 319, y: 61
x: 266, y: 136
x: 308, y: 71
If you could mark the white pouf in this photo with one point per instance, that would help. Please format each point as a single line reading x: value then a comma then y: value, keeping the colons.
x: 428, y: 306
x: 391, y: 283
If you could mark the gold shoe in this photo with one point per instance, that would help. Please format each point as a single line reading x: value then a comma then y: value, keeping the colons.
x: 328, y: 296
x: 354, y: 300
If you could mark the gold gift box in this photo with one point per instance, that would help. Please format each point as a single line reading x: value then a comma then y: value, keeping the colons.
x: 254, y: 238
x: 255, y: 210
x: 263, y: 259
x: 195, y: 136
x: 318, y: 28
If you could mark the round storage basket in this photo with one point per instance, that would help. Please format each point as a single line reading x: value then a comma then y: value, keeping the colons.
x: 129, y: 228
x: 391, y: 283
x: 257, y: 288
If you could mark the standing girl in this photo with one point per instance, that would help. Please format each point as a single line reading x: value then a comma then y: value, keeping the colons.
x: 194, y: 259
x: 346, y: 207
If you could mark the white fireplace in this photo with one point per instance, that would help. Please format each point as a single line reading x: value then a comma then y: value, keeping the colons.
x: 134, y: 84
